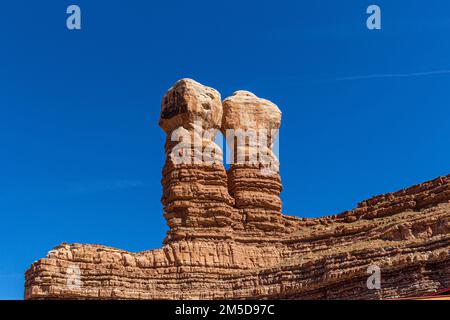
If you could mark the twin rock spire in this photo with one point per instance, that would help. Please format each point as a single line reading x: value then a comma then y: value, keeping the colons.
x: 200, y: 198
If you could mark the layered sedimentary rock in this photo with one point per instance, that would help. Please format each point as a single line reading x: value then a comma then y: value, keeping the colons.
x: 250, y: 125
x: 228, y: 238
x: 195, y: 192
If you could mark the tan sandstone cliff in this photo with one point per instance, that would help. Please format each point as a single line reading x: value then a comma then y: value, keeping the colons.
x: 228, y: 238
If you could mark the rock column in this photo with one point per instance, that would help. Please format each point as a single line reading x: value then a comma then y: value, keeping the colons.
x: 250, y: 125
x: 195, y: 195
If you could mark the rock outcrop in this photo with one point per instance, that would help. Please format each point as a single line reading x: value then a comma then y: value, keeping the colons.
x: 228, y: 238
x: 195, y: 191
x: 250, y: 125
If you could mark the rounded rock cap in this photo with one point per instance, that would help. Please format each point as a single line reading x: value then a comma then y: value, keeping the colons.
x: 246, y: 111
x: 188, y: 102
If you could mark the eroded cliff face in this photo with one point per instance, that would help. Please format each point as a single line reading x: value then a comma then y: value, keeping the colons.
x: 228, y: 238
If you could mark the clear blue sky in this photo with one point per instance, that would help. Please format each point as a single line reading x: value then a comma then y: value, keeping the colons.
x: 364, y: 112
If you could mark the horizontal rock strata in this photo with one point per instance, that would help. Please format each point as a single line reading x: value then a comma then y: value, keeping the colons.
x: 228, y: 238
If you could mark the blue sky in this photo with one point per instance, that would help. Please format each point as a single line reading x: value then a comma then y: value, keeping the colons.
x: 364, y: 112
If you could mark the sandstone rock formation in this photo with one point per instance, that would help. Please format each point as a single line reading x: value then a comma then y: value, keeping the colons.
x: 250, y: 125
x: 228, y: 238
x: 195, y: 192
